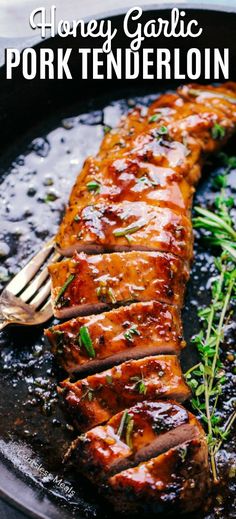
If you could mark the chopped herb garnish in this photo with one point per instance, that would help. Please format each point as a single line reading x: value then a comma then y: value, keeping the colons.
x: 139, y: 385
x: 109, y: 379
x: 111, y: 295
x: 106, y: 129
x: 50, y: 197
x: 77, y: 218
x: 126, y: 423
x: 142, y: 388
x: 105, y: 292
x: 163, y: 130
x: 99, y: 291
x: 129, y: 431
x: 86, y: 341
x: 93, y: 186
x: 144, y: 180
x: 183, y: 453
x: 154, y: 118
x: 131, y: 332
x: 218, y: 132
x: 160, y: 132
x: 147, y: 181
x: 128, y: 230
x: 122, y: 423
x: 63, y: 289
x: 128, y: 238
x: 89, y: 394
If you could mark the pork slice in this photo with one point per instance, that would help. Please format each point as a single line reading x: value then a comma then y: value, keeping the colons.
x: 96, y: 398
x: 87, y: 284
x: 98, y: 341
x: 132, y: 436
x: 124, y: 226
x: 176, y: 480
x: 131, y: 179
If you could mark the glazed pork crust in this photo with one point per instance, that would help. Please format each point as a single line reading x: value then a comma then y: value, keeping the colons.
x: 136, y: 195
x: 97, y: 282
x: 136, y: 180
x: 133, y: 331
x: 95, y: 399
x: 124, y: 226
x: 132, y: 436
x: 176, y: 480
x: 144, y: 174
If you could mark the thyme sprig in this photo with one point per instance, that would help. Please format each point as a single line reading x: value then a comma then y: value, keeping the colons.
x: 218, y: 223
x: 219, y: 227
x: 207, y: 378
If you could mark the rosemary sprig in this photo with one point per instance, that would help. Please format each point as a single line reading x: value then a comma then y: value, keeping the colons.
x: 207, y: 378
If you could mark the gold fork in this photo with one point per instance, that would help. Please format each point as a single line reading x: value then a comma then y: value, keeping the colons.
x: 26, y: 299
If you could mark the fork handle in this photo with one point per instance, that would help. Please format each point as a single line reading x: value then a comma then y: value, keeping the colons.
x: 3, y: 324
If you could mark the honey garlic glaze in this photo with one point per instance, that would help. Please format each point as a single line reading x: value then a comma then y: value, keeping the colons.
x: 37, y: 174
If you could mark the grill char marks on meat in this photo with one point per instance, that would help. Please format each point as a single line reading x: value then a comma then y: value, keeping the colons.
x: 133, y: 436
x: 176, y: 480
x: 102, y: 281
x: 95, y: 399
x: 133, y: 331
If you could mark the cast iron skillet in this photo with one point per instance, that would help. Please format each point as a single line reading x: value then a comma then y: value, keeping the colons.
x: 29, y: 110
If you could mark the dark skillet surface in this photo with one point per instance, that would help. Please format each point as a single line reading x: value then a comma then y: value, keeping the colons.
x: 7, y: 512
x: 32, y: 426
